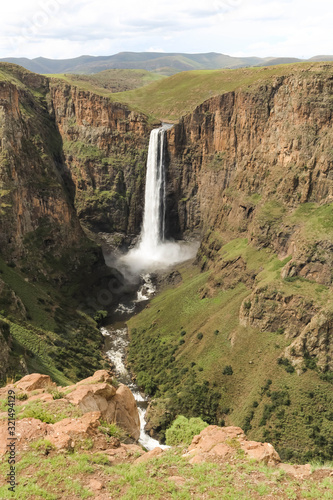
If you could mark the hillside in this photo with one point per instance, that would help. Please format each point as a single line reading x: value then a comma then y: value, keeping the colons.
x: 170, y: 98
x: 159, y: 62
x: 75, y: 442
x: 112, y: 80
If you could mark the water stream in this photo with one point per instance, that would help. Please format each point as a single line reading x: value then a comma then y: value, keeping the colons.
x: 116, y: 343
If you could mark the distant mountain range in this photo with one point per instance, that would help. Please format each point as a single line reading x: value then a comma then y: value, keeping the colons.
x: 158, y: 62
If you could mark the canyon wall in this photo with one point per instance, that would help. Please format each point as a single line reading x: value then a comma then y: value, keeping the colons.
x: 37, y: 217
x: 272, y: 140
x: 105, y: 147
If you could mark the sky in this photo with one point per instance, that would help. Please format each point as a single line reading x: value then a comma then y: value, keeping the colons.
x: 62, y: 29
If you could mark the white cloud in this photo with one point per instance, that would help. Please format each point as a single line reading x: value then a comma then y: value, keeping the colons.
x: 69, y: 28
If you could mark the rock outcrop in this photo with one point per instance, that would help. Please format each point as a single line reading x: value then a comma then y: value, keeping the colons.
x: 37, y: 218
x: 105, y: 147
x: 223, y: 442
x: 91, y: 403
x: 263, y: 140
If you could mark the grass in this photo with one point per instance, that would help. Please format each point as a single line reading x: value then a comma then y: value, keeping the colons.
x: 175, y: 368
x: 48, y: 413
x: 172, y: 97
x: 317, y: 220
x: 112, y: 80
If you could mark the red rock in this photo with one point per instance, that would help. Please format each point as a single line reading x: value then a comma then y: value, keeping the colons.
x: 27, y: 429
x: 123, y: 411
x: 41, y: 397
x: 34, y: 381
x: 261, y: 452
x: 95, y: 485
x: 178, y: 480
x: 198, y: 459
x: 65, y: 433
x: 99, y: 376
x: 299, y: 471
x: 156, y: 452
x: 92, y: 397
x: 221, y: 442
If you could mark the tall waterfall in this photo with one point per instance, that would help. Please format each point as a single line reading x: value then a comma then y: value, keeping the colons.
x: 153, y: 229
x: 152, y: 251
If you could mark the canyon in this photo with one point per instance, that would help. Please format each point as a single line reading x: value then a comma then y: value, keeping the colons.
x: 249, y: 174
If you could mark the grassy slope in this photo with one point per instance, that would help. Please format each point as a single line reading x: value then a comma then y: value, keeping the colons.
x: 112, y: 80
x: 53, y: 476
x: 170, y: 98
x: 252, y: 354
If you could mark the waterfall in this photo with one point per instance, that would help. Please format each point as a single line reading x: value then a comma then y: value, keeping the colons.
x: 153, y: 229
x: 153, y: 251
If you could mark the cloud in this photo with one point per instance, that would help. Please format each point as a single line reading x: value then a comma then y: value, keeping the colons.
x: 69, y: 28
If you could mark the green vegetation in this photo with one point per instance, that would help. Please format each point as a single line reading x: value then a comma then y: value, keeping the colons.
x: 173, y: 97
x: 111, y: 80
x: 183, y: 430
x: 188, y: 378
x: 47, y: 412
x: 50, y: 476
x: 113, y: 430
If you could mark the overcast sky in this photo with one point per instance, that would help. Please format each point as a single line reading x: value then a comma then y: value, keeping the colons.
x: 69, y: 28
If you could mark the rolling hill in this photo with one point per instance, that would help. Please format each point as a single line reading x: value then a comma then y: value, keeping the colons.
x: 159, y: 62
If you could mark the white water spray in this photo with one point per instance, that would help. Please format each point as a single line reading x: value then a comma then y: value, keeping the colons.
x: 153, y: 229
x: 153, y: 251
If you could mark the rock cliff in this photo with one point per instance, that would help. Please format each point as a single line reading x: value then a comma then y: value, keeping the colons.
x: 105, y: 147
x: 271, y: 140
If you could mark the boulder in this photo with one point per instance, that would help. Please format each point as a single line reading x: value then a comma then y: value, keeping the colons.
x: 99, y: 376
x: 92, y: 397
x: 298, y: 471
x: 123, y: 411
x: 222, y: 442
x: 261, y: 452
x: 27, y: 429
x: 35, y: 381
x: 156, y: 452
x: 65, y: 433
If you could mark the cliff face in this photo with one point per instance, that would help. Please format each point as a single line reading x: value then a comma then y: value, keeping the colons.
x: 273, y: 140
x: 258, y: 165
x: 105, y: 146
x: 36, y: 218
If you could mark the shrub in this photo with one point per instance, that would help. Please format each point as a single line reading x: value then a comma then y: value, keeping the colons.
x: 181, y: 342
x: 200, y: 336
x: 182, y: 333
x: 286, y: 364
x: 228, y: 370
x: 247, y: 305
x: 183, y: 430
x: 43, y: 445
x: 100, y: 316
x: 216, y: 332
x: 22, y: 396
x: 57, y: 394
x: 112, y: 430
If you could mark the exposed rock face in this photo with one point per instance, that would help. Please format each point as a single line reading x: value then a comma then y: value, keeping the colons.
x: 315, y: 341
x: 98, y: 400
x: 4, y: 349
x: 105, y: 146
x: 270, y: 310
x: 36, y: 215
x: 264, y: 141
x: 222, y: 442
